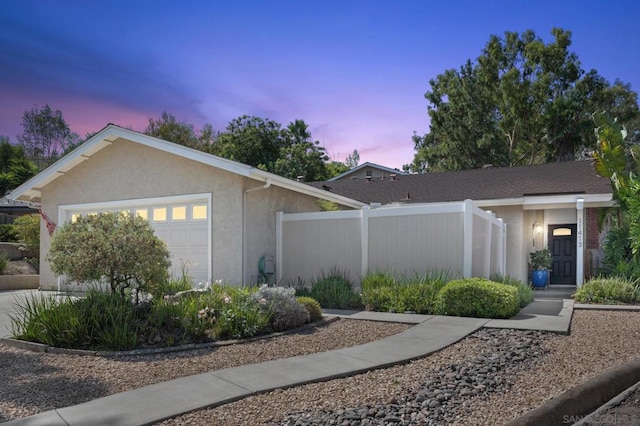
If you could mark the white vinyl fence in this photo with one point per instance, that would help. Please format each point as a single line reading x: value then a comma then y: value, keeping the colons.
x: 457, y: 238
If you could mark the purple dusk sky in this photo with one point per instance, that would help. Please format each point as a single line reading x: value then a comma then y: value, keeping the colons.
x: 355, y: 71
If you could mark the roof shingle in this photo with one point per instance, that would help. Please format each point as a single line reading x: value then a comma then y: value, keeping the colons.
x: 577, y: 177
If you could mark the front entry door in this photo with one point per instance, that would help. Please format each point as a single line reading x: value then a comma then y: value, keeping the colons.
x: 562, y: 243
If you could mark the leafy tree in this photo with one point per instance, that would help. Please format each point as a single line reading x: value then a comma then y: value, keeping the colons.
x: 119, y: 247
x: 335, y: 168
x: 27, y: 230
x: 45, y: 135
x: 301, y: 156
x: 522, y: 102
x: 15, y: 168
x: 251, y: 140
x: 352, y: 159
x: 290, y: 152
x: 169, y: 129
x: 620, y: 162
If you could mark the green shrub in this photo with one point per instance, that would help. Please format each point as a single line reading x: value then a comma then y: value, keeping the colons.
x: 243, y: 317
x: 8, y: 233
x: 612, y: 290
x: 333, y: 290
x: 27, y: 230
x: 224, y: 312
x: 98, y: 321
x: 477, y: 297
x: 171, y: 286
x: 300, y: 286
x: 119, y: 247
x: 618, y: 257
x: 165, y: 325
x: 525, y: 291
x: 312, y: 306
x: 285, y: 310
x: 107, y: 321
x: 4, y: 261
x: 382, y: 292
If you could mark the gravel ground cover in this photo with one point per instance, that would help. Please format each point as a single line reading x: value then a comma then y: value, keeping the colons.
x: 34, y: 382
x: 490, y: 377
x: 627, y: 413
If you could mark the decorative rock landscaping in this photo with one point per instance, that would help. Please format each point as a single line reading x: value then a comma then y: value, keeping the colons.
x: 599, y: 340
x: 443, y: 395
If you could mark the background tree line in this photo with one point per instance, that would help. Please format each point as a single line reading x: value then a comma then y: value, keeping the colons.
x: 522, y: 101
x: 287, y: 151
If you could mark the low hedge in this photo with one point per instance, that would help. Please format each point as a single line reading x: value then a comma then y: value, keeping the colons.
x: 525, y: 291
x: 612, y: 290
x: 477, y: 297
x: 381, y: 292
x: 313, y: 307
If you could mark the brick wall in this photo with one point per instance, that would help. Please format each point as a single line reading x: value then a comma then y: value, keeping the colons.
x: 592, y: 234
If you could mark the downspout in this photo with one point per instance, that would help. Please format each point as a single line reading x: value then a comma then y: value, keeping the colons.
x: 266, y: 185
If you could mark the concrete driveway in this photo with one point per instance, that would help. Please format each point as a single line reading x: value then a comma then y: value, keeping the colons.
x: 6, y: 306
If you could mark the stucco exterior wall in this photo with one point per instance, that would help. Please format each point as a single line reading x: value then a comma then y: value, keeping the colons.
x: 561, y: 216
x: 260, y: 211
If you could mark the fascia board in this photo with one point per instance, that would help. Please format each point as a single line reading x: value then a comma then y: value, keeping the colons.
x: 567, y: 201
x: 303, y: 188
x: 549, y: 201
x: 27, y: 191
x: 499, y: 202
x: 367, y: 164
x: 106, y: 136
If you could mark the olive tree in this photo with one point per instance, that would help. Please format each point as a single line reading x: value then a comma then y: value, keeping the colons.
x: 118, y: 247
x: 27, y: 229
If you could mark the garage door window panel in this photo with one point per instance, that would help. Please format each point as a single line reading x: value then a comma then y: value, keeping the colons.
x: 159, y: 214
x: 199, y: 212
x: 179, y: 213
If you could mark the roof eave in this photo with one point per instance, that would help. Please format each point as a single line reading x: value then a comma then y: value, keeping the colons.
x: 367, y: 164
x: 306, y: 189
x: 30, y: 191
x: 542, y: 202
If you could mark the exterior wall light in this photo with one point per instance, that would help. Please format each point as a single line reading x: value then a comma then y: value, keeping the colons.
x: 536, y: 230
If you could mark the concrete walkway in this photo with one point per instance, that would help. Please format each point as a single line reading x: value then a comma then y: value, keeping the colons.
x: 154, y: 403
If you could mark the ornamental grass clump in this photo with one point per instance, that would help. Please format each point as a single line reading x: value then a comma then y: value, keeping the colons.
x: 614, y: 290
x: 382, y: 292
x: 477, y: 297
x: 333, y: 290
x: 284, y: 309
x: 98, y: 321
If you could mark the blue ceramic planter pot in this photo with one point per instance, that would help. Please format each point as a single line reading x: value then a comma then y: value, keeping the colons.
x: 539, y: 277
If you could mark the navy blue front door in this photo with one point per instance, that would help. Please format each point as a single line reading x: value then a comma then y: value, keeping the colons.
x: 562, y: 243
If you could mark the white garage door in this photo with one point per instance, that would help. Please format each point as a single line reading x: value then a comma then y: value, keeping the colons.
x: 183, y: 223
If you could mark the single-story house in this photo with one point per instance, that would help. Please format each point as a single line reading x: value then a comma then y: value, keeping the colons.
x: 369, y: 171
x: 551, y: 206
x: 216, y: 216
